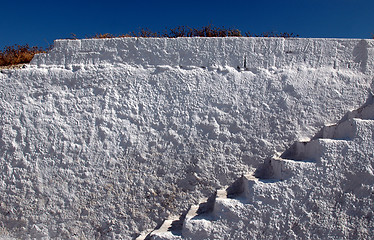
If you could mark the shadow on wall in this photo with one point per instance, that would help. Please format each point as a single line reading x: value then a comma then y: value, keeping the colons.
x: 360, y: 54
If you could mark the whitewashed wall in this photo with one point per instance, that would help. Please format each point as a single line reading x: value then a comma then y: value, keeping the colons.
x: 108, y: 137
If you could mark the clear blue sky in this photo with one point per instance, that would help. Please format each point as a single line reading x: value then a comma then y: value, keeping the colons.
x: 40, y: 22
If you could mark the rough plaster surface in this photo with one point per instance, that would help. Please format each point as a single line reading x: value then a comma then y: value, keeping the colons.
x: 107, y: 138
x: 322, y: 189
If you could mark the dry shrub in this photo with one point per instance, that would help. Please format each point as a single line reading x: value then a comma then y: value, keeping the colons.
x: 17, y: 54
x: 144, y: 32
x: 107, y: 35
x: 272, y: 34
x: 206, y: 31
x: 185, y: 31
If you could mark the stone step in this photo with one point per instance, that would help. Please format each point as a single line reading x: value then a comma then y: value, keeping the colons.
x: 313, y: 151
x: 144, y: 235
x: 365, y: 112
x: 192, y: 212
x: 230, y: 208
x: 362, y: 128
x: 283, y: 169
x: 168, y: 235
x: 196, y: 222
x: 304, y: 151
x: 165, y: 236
x: 248, y: 182
x: 197, y: 228
x: 343, y: 130
x: 171, y: 228
x: 346, y: 130
x: 226, y: 208
x: 204, y: 207
x: 168, y: 230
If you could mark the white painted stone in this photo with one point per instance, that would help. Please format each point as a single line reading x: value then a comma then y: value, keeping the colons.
x: 106, y: 138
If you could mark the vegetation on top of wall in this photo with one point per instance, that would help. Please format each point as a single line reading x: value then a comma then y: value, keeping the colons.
x: 18, y: 54
x: 185, y: 31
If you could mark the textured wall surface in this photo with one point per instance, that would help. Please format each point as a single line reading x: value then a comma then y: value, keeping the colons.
x: 318, y: 189
x: 106, y: 138
x: 203, y: 52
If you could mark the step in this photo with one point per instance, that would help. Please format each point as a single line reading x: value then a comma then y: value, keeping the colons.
x: 227, y: 208
x: 195, y: 223
x: 168, y: 229
x: 313, y: 151
x: 192, y: 212
x: 144, y: 235
x: 346, y: 130
x: 321, y: 152
x: 230, y: 208
x: 362, y: 129
x: 205, y: 206
x: 365, y: 112
x: 248, y: 182
x: 304, y: 151
x: 221, y: 193
x: 284, y: 169
x: 239, y: 187
x: 343, y: 130
x: 165, y: 236
x: 165, y: 227
x: 197, y: 228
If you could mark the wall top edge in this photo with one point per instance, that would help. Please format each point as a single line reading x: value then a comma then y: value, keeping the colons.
x: 215, y: 38
x: 237, y: 52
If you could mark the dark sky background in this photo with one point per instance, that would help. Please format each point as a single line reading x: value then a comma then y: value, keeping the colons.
x: 40, y: 22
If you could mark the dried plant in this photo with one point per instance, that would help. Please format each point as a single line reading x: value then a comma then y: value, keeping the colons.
x: 185, y: 31
x: 272, y: 34
x: 18, y: 54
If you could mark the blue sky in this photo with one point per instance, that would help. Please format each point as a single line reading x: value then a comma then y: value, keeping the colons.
x: 40, y: 22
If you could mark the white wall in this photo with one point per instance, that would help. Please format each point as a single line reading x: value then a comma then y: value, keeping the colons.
x: 109, y: 137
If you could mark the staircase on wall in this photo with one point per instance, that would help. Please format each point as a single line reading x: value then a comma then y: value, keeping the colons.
x: 303, y: 160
